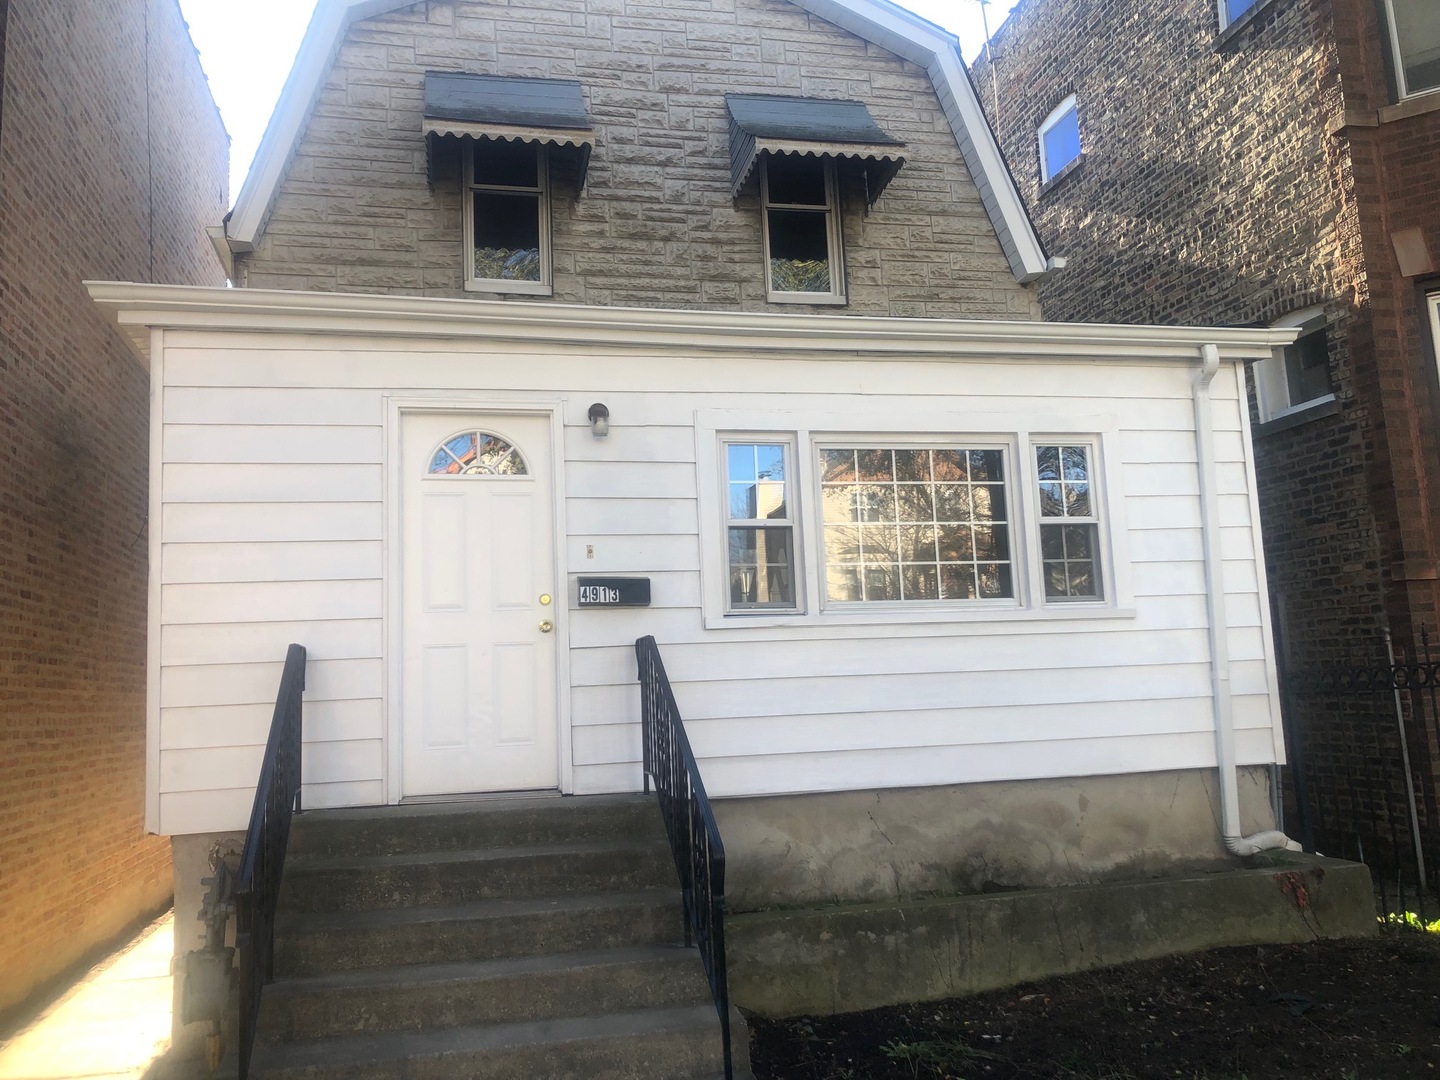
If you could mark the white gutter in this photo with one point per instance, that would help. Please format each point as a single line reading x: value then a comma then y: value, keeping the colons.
x: 1219, y: 625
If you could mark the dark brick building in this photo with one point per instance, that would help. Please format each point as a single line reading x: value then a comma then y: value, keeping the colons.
x: 112, y: 162
x: 1270, y: 161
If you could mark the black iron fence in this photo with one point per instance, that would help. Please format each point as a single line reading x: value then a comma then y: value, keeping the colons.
x: 257, y: 885
x: 1363, y: 741
x: 689, y: 824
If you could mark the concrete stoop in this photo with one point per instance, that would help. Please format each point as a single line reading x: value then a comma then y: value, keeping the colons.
x: 847, y: 958
x: 502, y: 938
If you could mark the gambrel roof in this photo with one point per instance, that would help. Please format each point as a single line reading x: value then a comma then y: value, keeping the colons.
x: 878, y: 21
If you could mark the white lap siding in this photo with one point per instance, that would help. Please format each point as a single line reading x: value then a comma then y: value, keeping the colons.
x: 273, y: 503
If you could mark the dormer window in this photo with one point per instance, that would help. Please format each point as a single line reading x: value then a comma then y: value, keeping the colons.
x: 803, y: 261
x: 800, y: 149
x: 513, y: 137
x: 507, y: 217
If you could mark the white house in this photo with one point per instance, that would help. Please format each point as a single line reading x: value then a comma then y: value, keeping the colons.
x: 731, y: 302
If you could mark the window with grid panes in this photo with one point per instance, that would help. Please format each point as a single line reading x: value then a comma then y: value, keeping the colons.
x: 759, y: 527
x: 915, y: 523
x: 1069, y: 527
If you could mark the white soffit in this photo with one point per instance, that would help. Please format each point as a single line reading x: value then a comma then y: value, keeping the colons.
x: 139, y: 309
x: 879, y: 21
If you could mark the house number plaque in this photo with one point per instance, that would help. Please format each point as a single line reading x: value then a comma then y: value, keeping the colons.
x: 614, y: 592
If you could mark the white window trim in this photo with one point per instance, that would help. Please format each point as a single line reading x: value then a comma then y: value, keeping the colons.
x: 833, y: 238
x: 1006, y: 444
x: 542, y: 287
x: 1272, y: 387
x: 879, y: 422
x: 1392, y: 34
x: 792, y: 522
x: 1056, y: 115
x: 1100, y: 513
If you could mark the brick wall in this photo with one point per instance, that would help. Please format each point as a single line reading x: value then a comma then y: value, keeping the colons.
x: 1210, y: 193
x: 102, y: 136
x: 655, y: 226
x: 1230, y: 178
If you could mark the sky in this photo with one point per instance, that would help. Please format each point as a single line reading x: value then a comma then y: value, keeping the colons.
x: 247, y: 46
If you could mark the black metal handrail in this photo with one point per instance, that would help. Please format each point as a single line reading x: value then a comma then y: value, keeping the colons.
x: 689, y: 824
x: 257, y: 885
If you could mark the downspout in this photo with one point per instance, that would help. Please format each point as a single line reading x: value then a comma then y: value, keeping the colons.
x: 1235, y: 843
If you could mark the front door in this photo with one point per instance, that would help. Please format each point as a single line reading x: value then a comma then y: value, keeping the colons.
x: 478, y: 679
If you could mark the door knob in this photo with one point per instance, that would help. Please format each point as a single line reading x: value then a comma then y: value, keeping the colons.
x: 546, y: 626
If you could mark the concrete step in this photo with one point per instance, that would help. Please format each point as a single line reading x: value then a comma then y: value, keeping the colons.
x: 478, y: 825
x: 358, y: 884
x: 649, y: 1044
x: 317, y: 944
x: 431, y: 997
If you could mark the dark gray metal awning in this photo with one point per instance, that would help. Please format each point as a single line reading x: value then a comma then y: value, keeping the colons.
x: 774, y: 124
x: 550, y: 112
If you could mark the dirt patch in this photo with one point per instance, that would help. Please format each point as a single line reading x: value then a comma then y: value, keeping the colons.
x: 1349, y: 1010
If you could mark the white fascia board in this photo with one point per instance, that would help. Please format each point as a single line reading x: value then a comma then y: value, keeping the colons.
x: 140, y: 308
x: 938, y: 52
x: 322, y: 41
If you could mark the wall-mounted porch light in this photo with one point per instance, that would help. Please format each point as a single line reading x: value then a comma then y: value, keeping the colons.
x: 599, y: 420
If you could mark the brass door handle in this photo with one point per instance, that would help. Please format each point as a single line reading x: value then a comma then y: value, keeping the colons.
x: 546, y: 626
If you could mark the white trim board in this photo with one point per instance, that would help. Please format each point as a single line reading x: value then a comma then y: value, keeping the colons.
x: 137, y: 306
x: 885, y: 24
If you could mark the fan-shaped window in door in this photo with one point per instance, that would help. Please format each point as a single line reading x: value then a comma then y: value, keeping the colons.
x: 474, y: 453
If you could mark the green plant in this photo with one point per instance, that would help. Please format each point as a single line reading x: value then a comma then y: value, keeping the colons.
x: 936, y: 1056
x: 1410, y: 921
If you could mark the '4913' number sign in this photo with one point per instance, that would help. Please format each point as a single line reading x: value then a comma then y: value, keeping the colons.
x: 613, y: 592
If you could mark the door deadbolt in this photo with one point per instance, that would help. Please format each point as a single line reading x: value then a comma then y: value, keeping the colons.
x: 544, y: 599
x: 546, y: 626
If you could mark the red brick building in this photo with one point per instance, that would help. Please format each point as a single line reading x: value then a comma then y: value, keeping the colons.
x: 113, y: 160
x: 1263, y: 162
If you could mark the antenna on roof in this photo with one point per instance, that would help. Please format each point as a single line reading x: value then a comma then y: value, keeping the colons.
x: 994, y: 78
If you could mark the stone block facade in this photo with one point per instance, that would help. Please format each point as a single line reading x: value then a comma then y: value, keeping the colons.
x: 1232, y: 176
x: 655, y: 225
x: 104, y: 173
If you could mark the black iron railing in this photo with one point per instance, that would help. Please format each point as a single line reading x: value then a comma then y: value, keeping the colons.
x: 1364, y: 742
x: 257, y: 885
x: 690, y: 825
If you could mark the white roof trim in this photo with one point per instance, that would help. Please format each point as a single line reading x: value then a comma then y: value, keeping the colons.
x: 317, y: 51
x: 907, y: 34
x: 139, y: 309
x: 886, y: 24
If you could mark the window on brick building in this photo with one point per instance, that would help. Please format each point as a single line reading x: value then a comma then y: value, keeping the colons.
x: 507, y: 217
x: 1059, y: 138
x: 802, y: 229
x: 1415, y: 45
x: 1432, y: 306
x: 1296, y: 377
x: 1230, y: 10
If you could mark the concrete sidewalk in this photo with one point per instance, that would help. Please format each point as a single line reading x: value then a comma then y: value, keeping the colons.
x: 114, y: 1024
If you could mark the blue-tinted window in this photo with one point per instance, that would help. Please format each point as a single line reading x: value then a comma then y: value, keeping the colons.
x: 1059, y: 139
x: 1235, y: 8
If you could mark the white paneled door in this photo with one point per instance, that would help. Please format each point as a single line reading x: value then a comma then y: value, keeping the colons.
x: 479, y: 599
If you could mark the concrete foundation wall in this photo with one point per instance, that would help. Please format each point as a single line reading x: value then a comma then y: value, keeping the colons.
x: 844, y: 959
x: 884, y: 845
